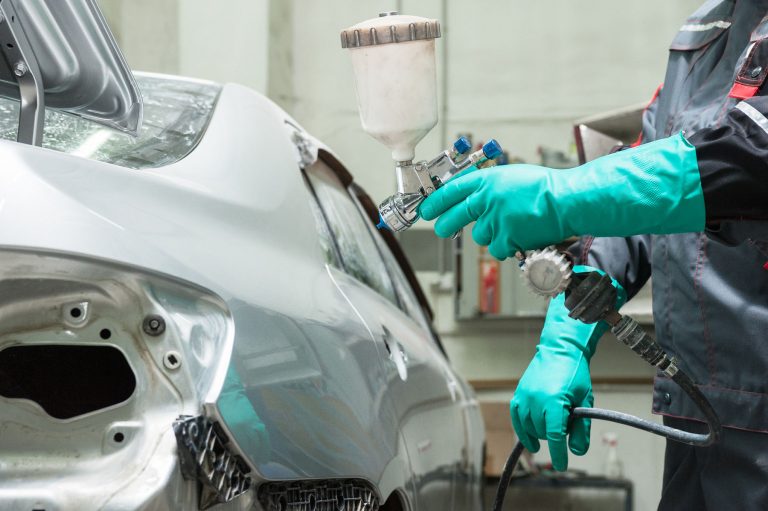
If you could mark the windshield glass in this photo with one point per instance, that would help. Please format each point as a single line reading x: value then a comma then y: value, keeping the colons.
x: 176, y: 112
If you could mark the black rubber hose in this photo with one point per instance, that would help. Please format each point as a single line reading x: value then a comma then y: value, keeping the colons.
x: 506, y: 476
x: 710, y: 416
x: 674, y: 434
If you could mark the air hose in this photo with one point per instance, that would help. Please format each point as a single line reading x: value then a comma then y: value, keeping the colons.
x: 590, y: 299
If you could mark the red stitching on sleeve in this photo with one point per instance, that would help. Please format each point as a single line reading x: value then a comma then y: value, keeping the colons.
x: 655, y: 96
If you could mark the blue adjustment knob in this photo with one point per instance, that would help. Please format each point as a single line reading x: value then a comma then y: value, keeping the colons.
x: 462, y: 145
x: 492, y: 149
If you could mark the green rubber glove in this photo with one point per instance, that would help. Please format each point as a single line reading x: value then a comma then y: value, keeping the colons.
x: 651, y: 189
x: 557, y: 380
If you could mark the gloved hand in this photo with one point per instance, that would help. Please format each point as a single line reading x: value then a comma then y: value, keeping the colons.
x: 651, y: 189
x: 557, y: 380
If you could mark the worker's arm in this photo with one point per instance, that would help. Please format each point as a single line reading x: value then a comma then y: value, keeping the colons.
x: 733, y: 165
x: 651, y: 189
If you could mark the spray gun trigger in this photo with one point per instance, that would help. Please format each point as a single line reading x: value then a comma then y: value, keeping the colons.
x: 421, y: 169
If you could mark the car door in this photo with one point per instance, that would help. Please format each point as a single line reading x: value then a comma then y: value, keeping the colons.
x: 420, y: 388
x: 468, y: 475
x: 467, y: 482
x: 303, y: 398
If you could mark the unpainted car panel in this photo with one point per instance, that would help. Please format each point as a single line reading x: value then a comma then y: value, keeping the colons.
x: 455, y: 451
x: 316, y: 386
x: 96, y: 458
x: 157, y: 220
x: 419, y: 396
x: 310, y: 382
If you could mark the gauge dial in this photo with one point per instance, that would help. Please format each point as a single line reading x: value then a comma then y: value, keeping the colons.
x: 547, y: 271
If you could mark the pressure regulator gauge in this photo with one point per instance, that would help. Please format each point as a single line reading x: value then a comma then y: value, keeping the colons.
x: 547, y: 271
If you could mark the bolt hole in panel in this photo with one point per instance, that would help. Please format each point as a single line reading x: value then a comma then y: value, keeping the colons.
x: 66, y: 380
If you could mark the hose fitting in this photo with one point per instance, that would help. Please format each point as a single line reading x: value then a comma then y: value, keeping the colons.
x: 629, y: 331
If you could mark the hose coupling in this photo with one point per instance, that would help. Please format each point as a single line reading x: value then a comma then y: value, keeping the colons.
x: 629, y: 331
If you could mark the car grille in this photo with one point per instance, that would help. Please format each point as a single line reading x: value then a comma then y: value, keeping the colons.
x: 347, y: 495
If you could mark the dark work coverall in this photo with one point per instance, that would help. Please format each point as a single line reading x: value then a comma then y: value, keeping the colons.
x: 710, y: 289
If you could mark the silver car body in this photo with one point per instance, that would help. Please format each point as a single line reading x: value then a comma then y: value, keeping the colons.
x: 311, y: 375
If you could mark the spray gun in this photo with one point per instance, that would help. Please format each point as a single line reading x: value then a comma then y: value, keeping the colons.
x: 415, y: 181
x: 393, y: 59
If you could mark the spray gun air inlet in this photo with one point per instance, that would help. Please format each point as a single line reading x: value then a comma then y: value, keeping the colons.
x: 462, y: 146
x: 492, y: 149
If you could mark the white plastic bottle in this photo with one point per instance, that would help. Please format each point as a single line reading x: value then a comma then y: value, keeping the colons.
x: 393, y: 59
x: 613, y: 468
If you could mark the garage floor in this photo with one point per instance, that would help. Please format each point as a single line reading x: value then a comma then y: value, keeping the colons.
x: 563, y: 494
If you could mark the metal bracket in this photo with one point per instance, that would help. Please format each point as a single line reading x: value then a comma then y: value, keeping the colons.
x: 22, y: 62
x: 204, y: 457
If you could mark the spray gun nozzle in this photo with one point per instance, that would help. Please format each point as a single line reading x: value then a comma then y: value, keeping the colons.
x: 382, y: 225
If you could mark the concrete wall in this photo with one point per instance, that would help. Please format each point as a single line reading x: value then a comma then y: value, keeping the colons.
x: 147, y: 32
x: 224, y: 41
x: 519, y: 71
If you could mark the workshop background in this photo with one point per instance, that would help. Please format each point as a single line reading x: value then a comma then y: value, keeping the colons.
x: 518, y: 71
